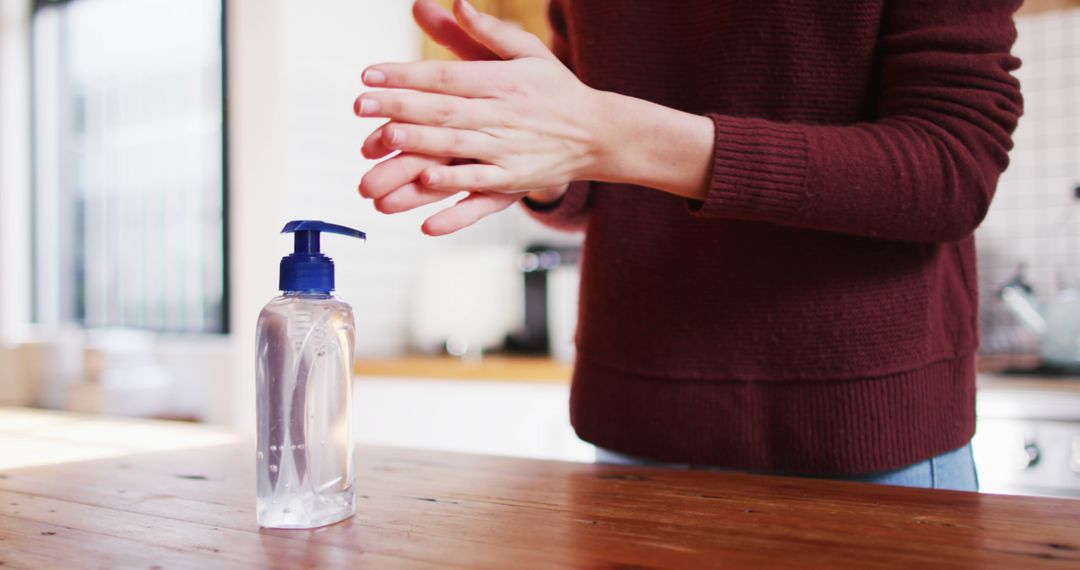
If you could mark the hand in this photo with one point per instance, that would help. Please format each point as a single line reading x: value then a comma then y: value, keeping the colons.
x: 495, y: 128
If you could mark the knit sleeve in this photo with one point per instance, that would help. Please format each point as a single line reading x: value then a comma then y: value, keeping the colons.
x: 569, y: 212
x: 924, y: 170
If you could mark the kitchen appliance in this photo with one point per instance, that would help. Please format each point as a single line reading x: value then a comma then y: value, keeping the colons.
x: 550, y: 278
x: 1057, y: 322
x: 1028, y: 436
x: 466, y: 301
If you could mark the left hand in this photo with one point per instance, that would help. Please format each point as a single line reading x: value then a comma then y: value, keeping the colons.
x: 494, y: 128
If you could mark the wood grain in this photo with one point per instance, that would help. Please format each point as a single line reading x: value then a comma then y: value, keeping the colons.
x: 194, y: 508
x: 1066, y: 386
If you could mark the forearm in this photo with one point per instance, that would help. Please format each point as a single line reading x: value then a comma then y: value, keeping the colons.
x: 650, y: 145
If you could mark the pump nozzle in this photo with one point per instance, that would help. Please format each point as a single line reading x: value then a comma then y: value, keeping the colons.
x: 307, y: 270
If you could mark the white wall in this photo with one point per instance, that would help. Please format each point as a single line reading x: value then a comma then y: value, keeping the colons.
x: 323, y: 47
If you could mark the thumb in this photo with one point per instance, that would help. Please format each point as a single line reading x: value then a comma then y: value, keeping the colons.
x: 505, y: 40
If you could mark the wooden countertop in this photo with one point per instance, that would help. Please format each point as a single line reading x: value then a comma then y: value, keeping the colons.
x: 1035, y: 384
x: 180, y: 498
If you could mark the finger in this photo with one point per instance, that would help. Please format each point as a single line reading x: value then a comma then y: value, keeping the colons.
x: 466, y: 177
x: 391, y: 174
x: 461, y: 78
x: 408, y: 197
x: 438, y: 141
x: 424, y: 109
x: 373, y: 147
x: 505, y: 40
x: 467, y: 212
x: 439, y: 24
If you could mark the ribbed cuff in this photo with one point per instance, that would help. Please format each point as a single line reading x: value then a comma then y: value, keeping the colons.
x: 566, y: 213
x: 758, y: 171
x: 542, y: 207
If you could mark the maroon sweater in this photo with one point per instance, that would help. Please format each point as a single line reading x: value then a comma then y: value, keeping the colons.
x: 818, y: 311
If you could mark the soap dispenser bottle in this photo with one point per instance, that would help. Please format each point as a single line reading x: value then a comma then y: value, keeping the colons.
x: 305, y: 342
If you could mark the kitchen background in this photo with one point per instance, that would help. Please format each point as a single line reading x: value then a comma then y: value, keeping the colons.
x: 151, y: 150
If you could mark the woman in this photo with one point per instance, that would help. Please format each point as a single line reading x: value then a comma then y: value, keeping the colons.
x: 779, y: 200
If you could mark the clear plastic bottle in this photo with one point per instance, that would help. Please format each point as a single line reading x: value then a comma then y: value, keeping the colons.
x: 305, y: 343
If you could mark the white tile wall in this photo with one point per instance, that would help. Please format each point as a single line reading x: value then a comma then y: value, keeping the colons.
x: 1034, y: 218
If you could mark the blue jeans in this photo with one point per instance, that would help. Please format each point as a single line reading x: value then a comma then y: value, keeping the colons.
x: 953, y: 470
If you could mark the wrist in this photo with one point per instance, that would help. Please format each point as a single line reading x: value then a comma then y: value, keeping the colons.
x: 646, y: 144
x: 607, y: 112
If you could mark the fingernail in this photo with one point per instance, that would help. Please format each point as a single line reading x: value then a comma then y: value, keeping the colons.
x: 396, y: 137
x: 374, y: 77
x: 369, y: 106
x: 431, y: 178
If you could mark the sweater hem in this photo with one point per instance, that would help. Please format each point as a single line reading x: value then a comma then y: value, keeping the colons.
x: 845, y: 427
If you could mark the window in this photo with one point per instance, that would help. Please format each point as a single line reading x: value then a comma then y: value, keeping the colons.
x: 129, y: 163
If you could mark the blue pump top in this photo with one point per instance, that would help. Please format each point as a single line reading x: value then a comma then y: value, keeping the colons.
x: 306, y: 269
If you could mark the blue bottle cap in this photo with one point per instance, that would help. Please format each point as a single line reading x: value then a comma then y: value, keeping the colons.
x: 306, y: 269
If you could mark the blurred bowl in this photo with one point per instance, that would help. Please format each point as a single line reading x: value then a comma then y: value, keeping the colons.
x: 467, y: 301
